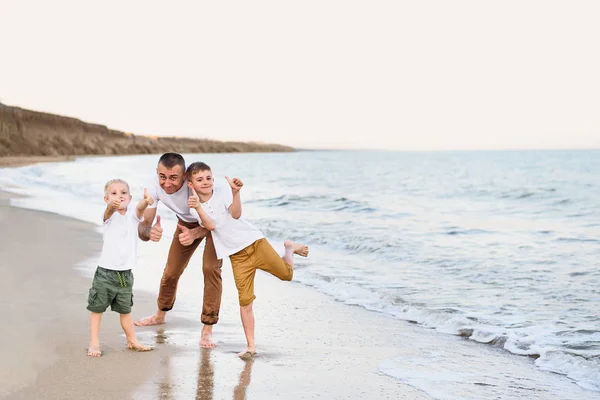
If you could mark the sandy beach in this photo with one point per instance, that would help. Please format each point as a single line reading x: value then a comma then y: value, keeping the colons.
x: 310, y: 346
x: 45, y: 335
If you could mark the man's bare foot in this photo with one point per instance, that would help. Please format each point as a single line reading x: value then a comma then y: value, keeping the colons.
x: 297, y: 248
x: 137, y: 346
x: 206, y: 338
x: 94, y: 351
x: 150, y: 320
x: 247, y: 354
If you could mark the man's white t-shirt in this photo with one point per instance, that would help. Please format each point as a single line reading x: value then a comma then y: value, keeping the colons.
x: 176, y: 202
x: 119, y: 250
x: 230, y: 235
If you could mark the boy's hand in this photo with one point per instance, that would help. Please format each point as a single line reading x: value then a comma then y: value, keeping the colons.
x: 235, y: 183
x: 193, y: 200
x: 148, y: 199
x: 114, y: 205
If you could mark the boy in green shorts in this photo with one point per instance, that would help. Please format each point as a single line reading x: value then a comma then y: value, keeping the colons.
x: 113, y: 280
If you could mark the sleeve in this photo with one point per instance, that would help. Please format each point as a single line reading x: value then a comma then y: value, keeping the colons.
x: 152, y: 188
x: 133, y: 212
x: 107, y: 222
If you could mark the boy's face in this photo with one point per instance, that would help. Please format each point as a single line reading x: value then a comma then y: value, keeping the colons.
x: 118, y: 191
x: 202, y: 182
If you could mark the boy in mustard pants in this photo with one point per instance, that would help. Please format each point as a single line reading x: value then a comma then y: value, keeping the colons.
x: 219, y: 210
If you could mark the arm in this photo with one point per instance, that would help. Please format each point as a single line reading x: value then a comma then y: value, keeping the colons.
x: 205, y: 219
x: 235, y: 209
x: 143, y: 204
x: 110, y: 209
x: 145, y: 229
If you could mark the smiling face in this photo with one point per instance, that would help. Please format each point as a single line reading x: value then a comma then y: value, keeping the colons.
x: 170, y: 179
x: 202, y: 182
x: 118, y: 191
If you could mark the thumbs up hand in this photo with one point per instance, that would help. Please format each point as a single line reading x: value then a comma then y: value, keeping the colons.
x: 186, y: 237
x: 156, y: 231
x: 147, y: 198
x: 194, y: 200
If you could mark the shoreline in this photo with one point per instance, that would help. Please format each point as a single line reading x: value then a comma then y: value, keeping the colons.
x: 339, y: 351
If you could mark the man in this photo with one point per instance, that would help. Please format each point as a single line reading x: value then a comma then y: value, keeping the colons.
x: 170, y: 189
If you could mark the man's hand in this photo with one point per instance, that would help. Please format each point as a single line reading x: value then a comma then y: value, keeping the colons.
x: 235, y: 183
x: 148, y: 199
x: 187, y: 235
x: 194, y: 200
x: 156, y: 231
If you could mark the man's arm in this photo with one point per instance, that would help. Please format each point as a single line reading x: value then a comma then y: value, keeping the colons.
x: 145, y: 229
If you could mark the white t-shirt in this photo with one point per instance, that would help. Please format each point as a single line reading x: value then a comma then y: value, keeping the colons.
x: 176, y: 202
x: 119, y: 250
x: 230, y: 235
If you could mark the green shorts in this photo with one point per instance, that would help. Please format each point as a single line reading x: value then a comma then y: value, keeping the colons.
x: 111, y: 288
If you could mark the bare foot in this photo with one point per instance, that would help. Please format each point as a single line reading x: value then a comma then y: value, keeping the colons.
x: 150, y: 320
x: 206, y: 338
x: 137, y: 346
x: 298, y: 248
x: 247, y: 354
x: 94, y: 351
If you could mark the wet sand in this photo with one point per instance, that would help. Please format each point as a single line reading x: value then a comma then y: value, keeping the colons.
x: 310, y: 346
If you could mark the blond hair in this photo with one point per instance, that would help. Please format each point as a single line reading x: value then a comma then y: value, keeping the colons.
x: 112, y: 182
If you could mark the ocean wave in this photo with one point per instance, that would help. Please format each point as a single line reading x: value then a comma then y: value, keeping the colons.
x: 315, y: 203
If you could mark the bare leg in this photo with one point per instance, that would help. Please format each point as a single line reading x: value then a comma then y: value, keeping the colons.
x: 132, y: 342
x: 248, y: 323
x: 292, y: 248
x: 154, y: 319
x: 94, y: 349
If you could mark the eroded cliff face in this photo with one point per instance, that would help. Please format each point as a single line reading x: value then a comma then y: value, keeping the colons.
x: 31, y: 133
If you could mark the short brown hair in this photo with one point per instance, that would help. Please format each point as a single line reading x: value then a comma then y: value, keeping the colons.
x: 196, y: 167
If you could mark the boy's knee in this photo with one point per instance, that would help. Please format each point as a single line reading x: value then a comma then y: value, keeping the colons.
x: 246, y: 300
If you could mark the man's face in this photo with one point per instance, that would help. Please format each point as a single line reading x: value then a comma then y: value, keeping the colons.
x: 170, y: 180
x: 202, y: 182
x: 118, y: 191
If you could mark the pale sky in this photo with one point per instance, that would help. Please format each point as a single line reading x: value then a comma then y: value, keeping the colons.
x: 405, y: 75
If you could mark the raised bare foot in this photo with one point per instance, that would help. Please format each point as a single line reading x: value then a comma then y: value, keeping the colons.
x: 247, y: 354
x: 150, y: 320
x: 297, y: 248
x: 137, y: 346
x: 94, y: 351
x: 206, y: 338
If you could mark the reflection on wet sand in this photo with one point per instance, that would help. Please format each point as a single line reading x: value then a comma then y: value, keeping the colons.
x: 205, y: 387
x: 206, y: 376
x: 239, y: 392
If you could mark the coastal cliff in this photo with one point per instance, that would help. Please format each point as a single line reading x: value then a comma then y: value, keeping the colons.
x: 32, y: 133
